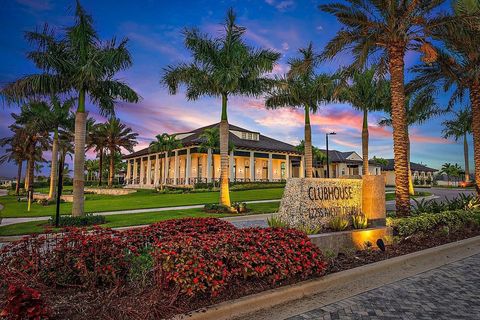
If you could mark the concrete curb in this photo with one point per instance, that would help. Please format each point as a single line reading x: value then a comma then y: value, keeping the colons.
x: 343, y: 284
x: 252, y: 217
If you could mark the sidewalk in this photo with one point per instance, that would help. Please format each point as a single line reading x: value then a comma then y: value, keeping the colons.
x: 9, y: 221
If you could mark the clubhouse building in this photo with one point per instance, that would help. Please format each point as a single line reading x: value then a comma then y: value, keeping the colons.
x: 255, y: 157
x: 420, y: 173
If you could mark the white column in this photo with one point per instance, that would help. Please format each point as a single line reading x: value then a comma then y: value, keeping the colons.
x: 129, y: 171
x: 287, y: 167
x: 135, y: 168
x: 142, y: 171
x: 175, y: 168
x: 188, y: 169
x: 209, y: 165
x: 149, y: 171
x: 231, y: 166
x: 302, y: 171
x: 270, y: 167
x: 166, y: 168
x: 252, y: 166
x: 155, y: 172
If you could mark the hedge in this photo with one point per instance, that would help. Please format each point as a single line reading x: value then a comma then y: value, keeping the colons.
x: 427, y: 222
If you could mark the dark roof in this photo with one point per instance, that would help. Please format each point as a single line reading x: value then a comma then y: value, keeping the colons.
x: 263, y: 144
x: 413, y: 166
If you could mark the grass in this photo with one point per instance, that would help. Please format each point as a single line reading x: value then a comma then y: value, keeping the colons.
x: 124, y: 220
x: 391, y: 195
x: 140, y: 200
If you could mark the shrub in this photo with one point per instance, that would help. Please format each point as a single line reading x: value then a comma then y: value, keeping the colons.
x: 275, y: 222
x: 359, y: 221
x: 408, y: 226
x: 210, y: 262
x: 83, y: 221
x: 462, y: 202
x: 338, y: 223
x: 218, y: 208
x: 23, y: 302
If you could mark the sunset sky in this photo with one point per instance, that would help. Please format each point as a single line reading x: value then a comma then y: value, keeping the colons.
x: 154, y: 29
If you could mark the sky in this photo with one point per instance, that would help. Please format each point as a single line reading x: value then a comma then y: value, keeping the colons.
x: 155, y: 41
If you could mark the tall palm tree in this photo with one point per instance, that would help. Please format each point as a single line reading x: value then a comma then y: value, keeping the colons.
x: 91, y: 166
x: 384, y: 31
x: 57, y: 117
x: 78, y: 63
x: 460, y: 127
x: 420, y: 106
x: 302, y: 88
x: 366, y: 92
x: 457, y: 67
x: 165, y: 143
x: 118, y: 136
x: 222, y: 67
x: 96, y: 141
x: 30, y: 119
x: 15, y: 151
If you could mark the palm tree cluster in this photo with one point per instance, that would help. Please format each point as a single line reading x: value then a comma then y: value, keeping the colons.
x: 378, y: 34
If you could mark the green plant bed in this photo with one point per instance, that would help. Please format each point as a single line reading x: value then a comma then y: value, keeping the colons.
x: 135, y: 219
x: 142, y: 199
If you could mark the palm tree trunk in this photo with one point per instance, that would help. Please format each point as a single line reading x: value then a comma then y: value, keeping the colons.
x: 308, y: 145
x: 112, y: 169
x: 475, y: 102
x: 100, y: 167
x: 224, y: 135
x: 54, y: 166
x: 399, y: 123
x: 79, y: 157
x: 19, y: 177
x: 465, y: 155
x: 365, y: 142
x: 26, y: 183
x: 166, y: 169
x: 31, y: 175
x: 411, y: 189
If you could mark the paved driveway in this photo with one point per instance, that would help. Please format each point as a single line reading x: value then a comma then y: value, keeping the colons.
x: 440, y: 193
x: 449, y: 292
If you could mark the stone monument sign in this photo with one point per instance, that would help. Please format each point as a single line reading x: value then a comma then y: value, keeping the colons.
x: 312, y: 202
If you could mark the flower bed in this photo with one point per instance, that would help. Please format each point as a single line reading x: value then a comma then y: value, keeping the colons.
x: 151, y: 272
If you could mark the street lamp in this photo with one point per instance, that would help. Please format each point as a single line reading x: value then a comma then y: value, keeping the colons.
x: 328, y: 162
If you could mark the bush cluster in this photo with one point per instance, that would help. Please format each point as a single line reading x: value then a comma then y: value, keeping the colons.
x: 192, y: 256
x: 428, y: 222
x: 83, y: 221
x: 210, y: 262
x: 462, y: 202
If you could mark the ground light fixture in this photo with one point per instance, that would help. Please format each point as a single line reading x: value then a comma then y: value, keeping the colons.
x: 326, y: 143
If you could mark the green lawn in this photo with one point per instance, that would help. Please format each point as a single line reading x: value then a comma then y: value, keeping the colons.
x: 123, y: 220
x: 139, y: 200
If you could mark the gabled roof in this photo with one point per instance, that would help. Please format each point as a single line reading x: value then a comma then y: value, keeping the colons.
x: 413, y: 166
x: 265, y: 144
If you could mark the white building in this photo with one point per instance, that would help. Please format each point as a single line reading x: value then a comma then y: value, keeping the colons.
x: 255, y: 158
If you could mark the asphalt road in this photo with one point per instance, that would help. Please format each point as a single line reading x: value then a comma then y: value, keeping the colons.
x: 441, y: 194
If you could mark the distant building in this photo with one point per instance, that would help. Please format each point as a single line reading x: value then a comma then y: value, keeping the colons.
x: 420, y: 173
x: 6, y: 182
x: 256, y: 157
x: 344, y: 163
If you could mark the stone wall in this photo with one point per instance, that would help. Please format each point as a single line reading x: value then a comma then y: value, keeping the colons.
x: 65, y: 197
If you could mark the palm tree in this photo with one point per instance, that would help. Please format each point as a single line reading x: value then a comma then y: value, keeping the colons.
x: 460, y: 127
x: 117, y: 136
x: 366, y: 92
x: 420, y: 106
x: 384, y: 31
x: 31, y: 121
x: 91, y: 166
x: 165, y: 143
x: 450, y: 170
x: 222, y: 67
x: 78, y: 63
x: 16, y: 150
x: 457, y: 67
x: 302, y: 88
x: 97, y: 140
x: 57, y: 117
